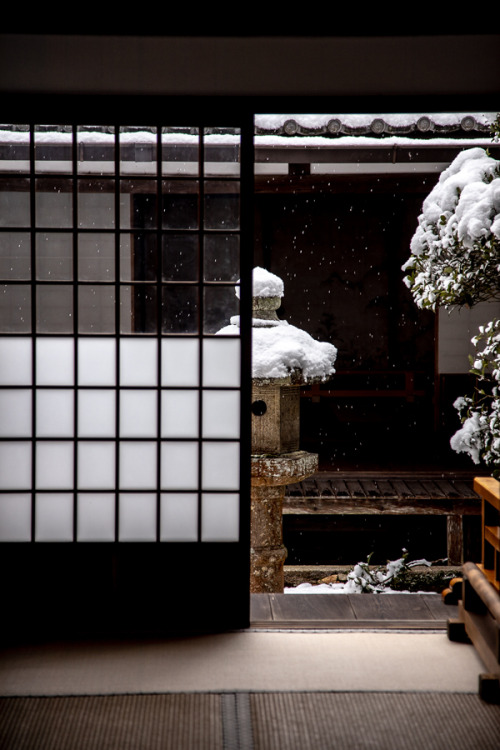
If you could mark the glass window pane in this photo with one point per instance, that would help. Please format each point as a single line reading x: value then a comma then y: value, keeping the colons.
x: 54, y: 517
x: 222, y: 205
x: 220, y: 517
x: 96, y: 465
x: 53, y: 148
x: 96, y: 204
x: 221, y: 414
x: 15, y: 255
x: 55, y: 361
x: 15, y: 148
x: 179, y: 309
x: 180, y: 205
x: 138, y: 362
x: 15, y: 361
x: 138, y: 309
x: 179, y: 414
x: 96, y: 257
x: 54, y: 203
x: 179, y: 466
x: 180, y: 151
x: 55, y: 413
x: 222, y: 151
x: 179, y: 517
x: 54, y: 256
x: 138, y: 147
x: 14, y: 203
x: 15, y: 412
x: 96, y: 149
x: 138, y: 461
x: 96, y: 413
x: 138, y: 413
x: 138, y: 204
x: 15, y: 465
x: 15, y: 308
x: 96, y: 309
x: 180, y: 257
x: 221, y: 466
x: 96, y: 517
x: 54, y: 465
x: 96, y: 361
x: 137, y: 517
x: 221, y: 362
x: 221, y: 257
x: 220, y: 305
x: 54, y: 308
x: 180, y: 362
x: 15, y: 517
x: 138, y: 257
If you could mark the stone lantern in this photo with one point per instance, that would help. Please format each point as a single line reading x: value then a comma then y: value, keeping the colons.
x: 283, y: 358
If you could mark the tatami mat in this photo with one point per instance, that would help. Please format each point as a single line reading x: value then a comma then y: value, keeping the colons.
x: 255, y: 721
x: 245, y: 661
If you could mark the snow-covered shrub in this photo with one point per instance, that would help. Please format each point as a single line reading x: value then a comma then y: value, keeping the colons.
x: 480, y: 413
x: 362, y: 579
x: 455, y: 251
x: 455, y: 262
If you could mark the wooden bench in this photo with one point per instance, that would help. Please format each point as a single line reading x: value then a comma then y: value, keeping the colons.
x: 395, y: 494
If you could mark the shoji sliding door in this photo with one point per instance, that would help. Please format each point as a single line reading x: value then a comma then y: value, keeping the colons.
x: 123, y: 448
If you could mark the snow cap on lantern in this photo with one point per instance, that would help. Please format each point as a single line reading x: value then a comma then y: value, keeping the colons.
x: 283, y: 358
x: 280, y: 350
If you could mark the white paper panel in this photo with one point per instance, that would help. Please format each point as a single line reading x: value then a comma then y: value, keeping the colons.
x: 55, y: 413
x: 221, y: 414
x: 96, y: 361
x: 96, y: 465
x: 137, y: 517
x: 179, y: 413
x: 179, y: 466
x: 138, y: 463
x: 138, y: 413
x: 220, y: 466
x: 54, y: 517
x: 179, y: 517
x: 15, y: 517
x: 15, y: 465
x: 15, y: 361
x: 96, y: 517
x: 220, y: 517
x: 96, y: 413
x: 55, y: 361
x: 180, y: 362
x: 221, y: 362
x: 15, y: 413
x: 138, y: 362
x: 54, y: 465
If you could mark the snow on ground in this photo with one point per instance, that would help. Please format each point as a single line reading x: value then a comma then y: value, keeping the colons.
x: 342, y: 588
x: 365, y: 579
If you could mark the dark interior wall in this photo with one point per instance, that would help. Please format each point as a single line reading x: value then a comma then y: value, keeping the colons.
x: 340, y: 255
x: 348, y: 65
x: 339, y: 248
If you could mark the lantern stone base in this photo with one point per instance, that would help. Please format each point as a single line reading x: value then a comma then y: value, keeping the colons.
x: 285, y: 468
x: 270, y: 475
